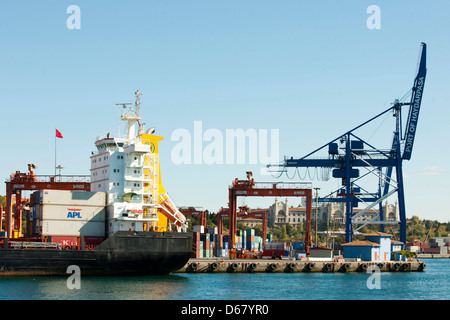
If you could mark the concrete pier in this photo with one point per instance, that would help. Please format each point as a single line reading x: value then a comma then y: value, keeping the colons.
x: 212, y: 265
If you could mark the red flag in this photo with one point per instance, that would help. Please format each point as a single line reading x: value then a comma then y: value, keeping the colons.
x: 58, y: 134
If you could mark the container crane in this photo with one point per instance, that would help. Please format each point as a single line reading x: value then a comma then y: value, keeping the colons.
x: 348, y: 153
x: 250, y: 188
x: 243, y: 212
x: 19, y: 182
x: 194, y: 211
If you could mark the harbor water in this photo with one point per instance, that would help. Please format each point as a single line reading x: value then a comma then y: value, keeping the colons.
x: 432, y: 284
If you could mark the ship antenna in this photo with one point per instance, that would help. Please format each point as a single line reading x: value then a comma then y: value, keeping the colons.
x: 131, y: 117
x: 137, y: 104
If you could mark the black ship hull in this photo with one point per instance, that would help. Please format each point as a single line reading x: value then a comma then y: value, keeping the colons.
x: 124, y: 253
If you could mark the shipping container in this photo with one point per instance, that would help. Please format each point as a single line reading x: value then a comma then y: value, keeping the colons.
x: 67, y: 242
x: 199, y: 229
x: 298, y: 245
x: 431, y: 250
x: 276, y: 245
x: 92, y: 241
x: 195, y: 236
x: 71, y: 228
x: 67, y: 197
x: 413, y: 248
x: 70, y: 212
x: 212, y: 230
x: 250, y: 232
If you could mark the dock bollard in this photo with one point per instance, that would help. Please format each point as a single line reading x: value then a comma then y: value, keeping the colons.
x: 395, y: 266
x: 404, y: 267
x: 212, y: 266
x: 271, y: 267
x: 251, y: 267
x: 192, y: 267
x: 232, y: 267
x: 327, y: 267
x: 362, y: 267
x: 309, y: 266
x: 290, y: 267
x: 344, y: 267
x: 422, y: 266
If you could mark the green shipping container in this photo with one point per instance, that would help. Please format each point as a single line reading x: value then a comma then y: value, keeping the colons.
x: 250, y: 232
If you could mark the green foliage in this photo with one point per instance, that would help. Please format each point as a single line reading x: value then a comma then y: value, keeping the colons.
x: 408, y: 254
x: 424, y: 230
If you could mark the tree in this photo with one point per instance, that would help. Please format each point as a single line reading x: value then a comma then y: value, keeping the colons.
x: 283, y: 233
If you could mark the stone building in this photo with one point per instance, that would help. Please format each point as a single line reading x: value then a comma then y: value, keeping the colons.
x: 281, y: 213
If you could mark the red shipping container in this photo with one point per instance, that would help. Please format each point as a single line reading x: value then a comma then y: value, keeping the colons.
x: 93, y: 241
x: 196, y: 236
x: 196, y: 245
x: 67, y: 242
x: 431, y: 250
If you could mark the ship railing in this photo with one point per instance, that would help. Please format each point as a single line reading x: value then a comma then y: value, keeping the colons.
x: 63, y: 178
x: 47, y: 178
x: 281, y: 185
x: 33, y: 245
x: 57, y: 178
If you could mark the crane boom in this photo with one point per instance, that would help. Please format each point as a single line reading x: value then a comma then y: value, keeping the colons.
x: 414, y: 108
x: 348, y: 153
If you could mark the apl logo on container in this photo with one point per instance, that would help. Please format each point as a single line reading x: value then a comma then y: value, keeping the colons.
x: 74, y: 213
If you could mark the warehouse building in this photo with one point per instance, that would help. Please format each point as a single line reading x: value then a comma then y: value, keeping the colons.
x: 377, y: 246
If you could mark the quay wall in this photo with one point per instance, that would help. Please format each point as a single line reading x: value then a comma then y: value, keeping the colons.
x: 285, y: 265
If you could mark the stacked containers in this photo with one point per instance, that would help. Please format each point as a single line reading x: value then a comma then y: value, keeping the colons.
x: 72, y: 218
x: 226, y: 240
x: 197, y: 246
x: 238, y: 240
x: 207, y: 243
x: 69, y: 213
x: 250, y: 239
x: 204, y: 237
x: 219, y: 244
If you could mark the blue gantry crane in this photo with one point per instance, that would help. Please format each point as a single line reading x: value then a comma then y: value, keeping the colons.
x: 349, y: 153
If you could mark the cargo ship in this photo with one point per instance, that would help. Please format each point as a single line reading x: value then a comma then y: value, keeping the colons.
x: 122, y: 222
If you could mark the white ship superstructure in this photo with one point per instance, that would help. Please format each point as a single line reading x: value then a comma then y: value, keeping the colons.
x: 128, y: 170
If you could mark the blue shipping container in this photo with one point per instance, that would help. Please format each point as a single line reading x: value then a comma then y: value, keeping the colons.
x: 298, y: 245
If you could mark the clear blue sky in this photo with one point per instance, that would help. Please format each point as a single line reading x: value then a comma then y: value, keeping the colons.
x: 311, y: 69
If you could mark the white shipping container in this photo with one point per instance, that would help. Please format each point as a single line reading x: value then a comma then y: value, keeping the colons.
x: 413, y: 248
x: 198, y: 228
x: 66, y: 197
x: 72, y: 228
x: 212, y: 230
x: 70, y: 212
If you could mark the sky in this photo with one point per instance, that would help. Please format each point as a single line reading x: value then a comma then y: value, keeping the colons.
x: 310, y: 70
